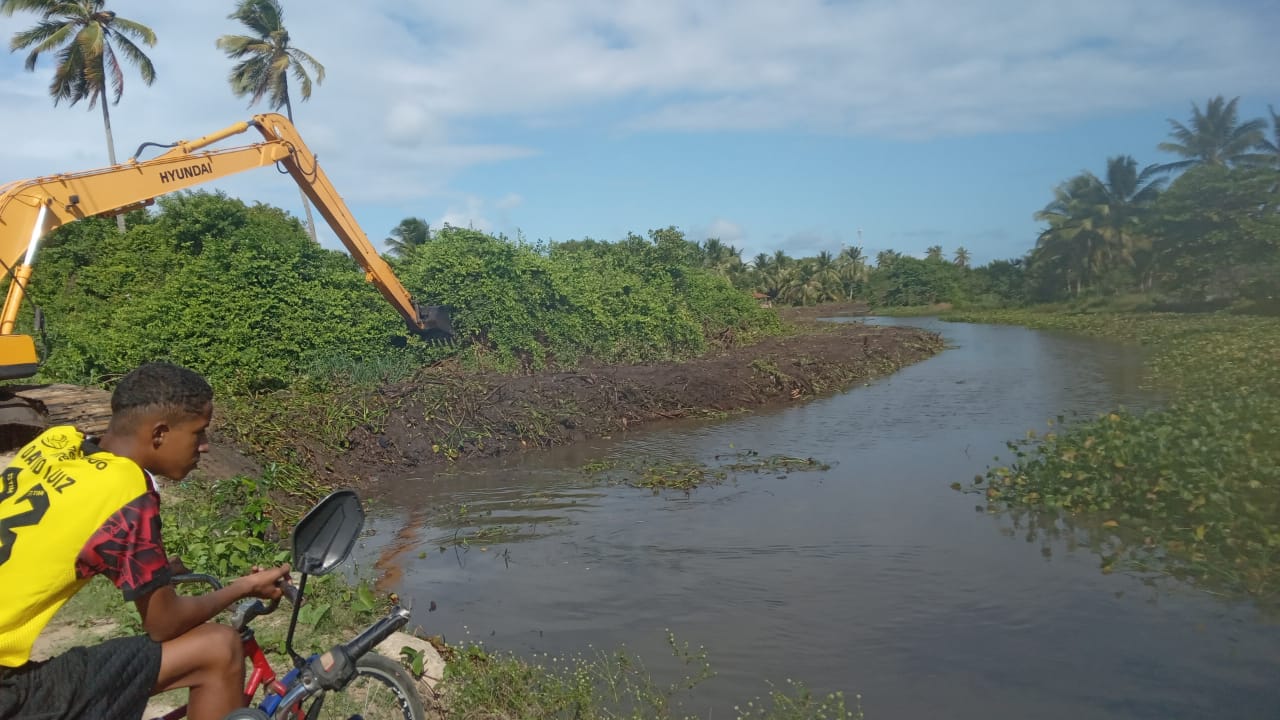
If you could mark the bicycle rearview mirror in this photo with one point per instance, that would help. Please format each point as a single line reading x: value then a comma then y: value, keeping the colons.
x: 325, y: 536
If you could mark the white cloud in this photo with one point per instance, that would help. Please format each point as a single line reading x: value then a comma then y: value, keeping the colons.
x: 471, y: 214
x: 396, y: 118
x: 510, y: 201
x: 729, y: 232
x: 811, y: 241
x: 408, y: 124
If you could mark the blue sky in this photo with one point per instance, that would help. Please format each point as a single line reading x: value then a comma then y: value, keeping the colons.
x: 769, y: 125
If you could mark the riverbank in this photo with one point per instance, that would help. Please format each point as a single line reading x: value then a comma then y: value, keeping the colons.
x: 362, y: 434
x: 1192, y: 490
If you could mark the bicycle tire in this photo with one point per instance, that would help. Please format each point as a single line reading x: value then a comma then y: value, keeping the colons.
x: 381, y: 690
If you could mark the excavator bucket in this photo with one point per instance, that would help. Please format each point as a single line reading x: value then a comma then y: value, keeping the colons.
x: 435, y: 323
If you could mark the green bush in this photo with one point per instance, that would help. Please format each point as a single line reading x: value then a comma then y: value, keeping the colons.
x: 239, y: 293
x: 225, y: 531
x: 635, y: 300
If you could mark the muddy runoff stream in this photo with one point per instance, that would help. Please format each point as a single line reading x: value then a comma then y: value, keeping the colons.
x: 871, y: 577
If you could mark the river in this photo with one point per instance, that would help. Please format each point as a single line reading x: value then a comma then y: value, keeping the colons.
x: 872, y: 577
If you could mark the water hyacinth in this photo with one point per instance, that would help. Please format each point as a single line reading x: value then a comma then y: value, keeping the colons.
x: 1191, y: 490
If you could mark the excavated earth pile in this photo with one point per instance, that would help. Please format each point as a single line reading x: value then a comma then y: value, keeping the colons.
x: 441, y: 417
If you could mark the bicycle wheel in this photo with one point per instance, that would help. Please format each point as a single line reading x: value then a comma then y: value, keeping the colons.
x: 381, y: 690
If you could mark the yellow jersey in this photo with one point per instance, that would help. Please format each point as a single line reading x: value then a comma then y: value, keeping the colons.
x: 68, y: 511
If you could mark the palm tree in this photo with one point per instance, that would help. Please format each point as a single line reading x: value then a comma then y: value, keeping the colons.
x: 933, y: 253
x: 1071, y: 242
x: 853, y: 270
x: 826, y: 273
x: 734, y: 254
x: 802, y: 286
x: 962, y: 257
x: 1123, y: 201
x: 1215, y: 137
x: 266, y: 59
x: 1271, y: 146
x: 885, y: 258
x: 89, y: 41
x: 715, y: 254
x: 410, y: 234
x: 852, y: 255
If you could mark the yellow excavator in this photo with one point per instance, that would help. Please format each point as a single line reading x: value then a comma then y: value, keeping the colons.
x: 29, y: 209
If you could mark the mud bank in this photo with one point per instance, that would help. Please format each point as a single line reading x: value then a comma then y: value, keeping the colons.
x: 443, y: 417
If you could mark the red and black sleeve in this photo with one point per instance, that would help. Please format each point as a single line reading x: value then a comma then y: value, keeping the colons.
x: 128, y: 549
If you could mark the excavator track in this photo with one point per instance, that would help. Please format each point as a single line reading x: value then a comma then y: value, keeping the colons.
x: 26, y: 410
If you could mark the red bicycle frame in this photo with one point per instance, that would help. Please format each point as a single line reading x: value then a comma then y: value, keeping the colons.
x: 262, y: 675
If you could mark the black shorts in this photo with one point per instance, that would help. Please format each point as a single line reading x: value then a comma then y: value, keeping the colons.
x: 109, y: 681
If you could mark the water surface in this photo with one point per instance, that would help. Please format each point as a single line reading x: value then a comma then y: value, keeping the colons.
x: 872, y: 577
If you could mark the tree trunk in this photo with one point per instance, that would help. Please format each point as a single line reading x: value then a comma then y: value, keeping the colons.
x: 306, y: 206
x: 111, y: 149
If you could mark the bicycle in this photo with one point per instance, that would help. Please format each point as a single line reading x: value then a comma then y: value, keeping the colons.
x: 347, y: 681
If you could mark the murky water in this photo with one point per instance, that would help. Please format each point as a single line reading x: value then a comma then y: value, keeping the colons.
x: 872, y: 577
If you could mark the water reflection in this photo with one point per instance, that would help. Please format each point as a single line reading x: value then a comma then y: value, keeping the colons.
x: 872, y: 576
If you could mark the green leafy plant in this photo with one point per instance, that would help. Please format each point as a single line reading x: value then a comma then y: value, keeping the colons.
x: 230, y: 534
x: 1192, y: 489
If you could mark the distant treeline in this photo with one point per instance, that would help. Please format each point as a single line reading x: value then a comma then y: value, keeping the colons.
x: 1203, y: 229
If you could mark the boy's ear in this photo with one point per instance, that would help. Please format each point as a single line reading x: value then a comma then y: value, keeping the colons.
x: 159, y: 430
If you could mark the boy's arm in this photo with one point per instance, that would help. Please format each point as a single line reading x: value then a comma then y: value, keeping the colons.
x: 166, y: 614
x: 128, y: 549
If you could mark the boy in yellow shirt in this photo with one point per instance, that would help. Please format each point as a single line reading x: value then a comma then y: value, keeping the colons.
x: 73, y: 507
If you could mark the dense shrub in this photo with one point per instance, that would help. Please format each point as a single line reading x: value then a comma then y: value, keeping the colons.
x: 635, y: 300
x: 240, y: 293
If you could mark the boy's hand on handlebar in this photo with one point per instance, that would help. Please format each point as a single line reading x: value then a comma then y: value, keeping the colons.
x: 266, y: 583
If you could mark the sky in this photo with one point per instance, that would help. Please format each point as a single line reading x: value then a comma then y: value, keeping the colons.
x: 802, y: 125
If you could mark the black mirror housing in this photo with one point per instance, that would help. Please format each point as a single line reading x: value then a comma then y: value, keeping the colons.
x: 325, y: 536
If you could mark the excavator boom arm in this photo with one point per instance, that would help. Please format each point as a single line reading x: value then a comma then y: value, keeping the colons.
x: 31, y: 208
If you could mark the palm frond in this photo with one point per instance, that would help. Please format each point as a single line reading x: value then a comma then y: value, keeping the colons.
x: 48, y: 44
x: 40, y: 36
x: 111, y: 67
x: 304, y: 81
x: 237, y: 46
x: 132, y: 29
x: 69, y: 75
x: 139, y: 59
x: 9, y: 7
x: 302, y: 57
x: 263, y: 17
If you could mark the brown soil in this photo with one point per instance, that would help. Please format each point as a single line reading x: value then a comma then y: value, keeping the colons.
x: 444, y: 416
x: 447, y: 415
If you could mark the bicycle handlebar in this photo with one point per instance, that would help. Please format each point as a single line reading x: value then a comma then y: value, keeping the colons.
x: 290, y: 592
x: 397, y: 618
x: 196, y: 577
x: 336, y: 668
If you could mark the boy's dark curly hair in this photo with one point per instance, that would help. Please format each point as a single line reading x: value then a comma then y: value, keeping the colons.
x: 159, y: 388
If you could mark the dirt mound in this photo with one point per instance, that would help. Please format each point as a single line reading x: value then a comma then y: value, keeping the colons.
x: 441, y: 417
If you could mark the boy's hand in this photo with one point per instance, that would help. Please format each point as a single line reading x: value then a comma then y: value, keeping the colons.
x: 176, y: 566
x: 265, y: 584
